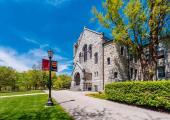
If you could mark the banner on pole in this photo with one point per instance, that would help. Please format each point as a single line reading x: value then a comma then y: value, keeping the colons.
x: 46, y: 65
x: 54, y: 66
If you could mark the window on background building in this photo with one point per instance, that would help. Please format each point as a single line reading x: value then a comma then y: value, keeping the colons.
x: 130, y: 57
x: 85, y: 52
x: 108, y: 61
x: 161, y: 72
x: 135, y: 59
x: 90, y: 51
x: 131, y: 73
x: 96, y: 58
x: 136, y: 71
x: 115, y: 74
x: 122, y: 50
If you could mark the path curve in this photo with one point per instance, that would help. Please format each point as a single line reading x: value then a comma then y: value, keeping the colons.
x: 82, y: 107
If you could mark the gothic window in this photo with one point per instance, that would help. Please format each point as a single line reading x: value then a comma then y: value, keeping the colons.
x: 85, y: 52
x: 90, y: 51
x: 80, y: 57
x: 96, y: 58
x: 108, y: 60
x: 122, y: 50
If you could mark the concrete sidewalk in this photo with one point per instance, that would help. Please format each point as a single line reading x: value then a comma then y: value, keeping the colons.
x: 82, y: 107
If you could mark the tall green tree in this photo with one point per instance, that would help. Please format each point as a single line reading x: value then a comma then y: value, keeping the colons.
x: 131, y: 23
x: 7, y: 78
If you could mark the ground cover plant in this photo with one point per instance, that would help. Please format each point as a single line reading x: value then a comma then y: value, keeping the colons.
x: 30, y: 108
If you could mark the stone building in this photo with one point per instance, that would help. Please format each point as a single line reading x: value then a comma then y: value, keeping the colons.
x: 98, y: 61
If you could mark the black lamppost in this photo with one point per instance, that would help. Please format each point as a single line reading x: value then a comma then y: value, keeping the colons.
x: 50, y: 102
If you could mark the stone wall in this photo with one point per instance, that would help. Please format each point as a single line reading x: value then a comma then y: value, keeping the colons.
x: 118, y: 63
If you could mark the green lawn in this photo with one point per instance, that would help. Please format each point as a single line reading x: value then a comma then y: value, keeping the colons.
x: 30, y: 108
x: 17, y: 93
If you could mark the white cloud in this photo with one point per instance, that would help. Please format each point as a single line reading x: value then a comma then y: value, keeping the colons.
x: 31, y: 41
x: 10, y: 58
x: 23, y: 62
x: 56, y: 2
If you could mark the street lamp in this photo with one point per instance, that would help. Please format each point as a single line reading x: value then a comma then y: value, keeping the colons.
x: 50, y: 102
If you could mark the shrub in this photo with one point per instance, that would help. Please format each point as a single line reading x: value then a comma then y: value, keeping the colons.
x: 154, y: 94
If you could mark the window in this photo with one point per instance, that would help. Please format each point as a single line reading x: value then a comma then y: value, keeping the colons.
x: 90, y: 51
x: 122, y: 51
x: 85, y: 52
x: 96, y: 58
x: 136, y: 71
x: 80, y: 57
x: 96, y: 74
x: 161, y: 72
x: 136, y: 60
x: 108, y: 61
x: 130, y: 57
x: 131, y: 73
x: 115, y: 74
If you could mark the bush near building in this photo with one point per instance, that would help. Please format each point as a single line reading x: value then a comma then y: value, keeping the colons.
x: 152, y: 94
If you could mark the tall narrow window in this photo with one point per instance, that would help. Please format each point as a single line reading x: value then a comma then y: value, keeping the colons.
x: 85, y: 52
x: 80, y: 57
x: 96, y: 58
x: 131, y: 73
x: 90, y: 51
x: 122, y: 51
x: 108, y: 61
x: 136, y: 71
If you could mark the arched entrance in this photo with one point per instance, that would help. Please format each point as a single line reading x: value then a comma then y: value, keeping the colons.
x: 77, y: 79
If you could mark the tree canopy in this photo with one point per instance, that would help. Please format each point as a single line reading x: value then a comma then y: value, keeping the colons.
x: 135, y: 23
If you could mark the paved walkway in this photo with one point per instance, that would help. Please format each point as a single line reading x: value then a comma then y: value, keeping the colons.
x: 21, y: 95
x: 87, y: 108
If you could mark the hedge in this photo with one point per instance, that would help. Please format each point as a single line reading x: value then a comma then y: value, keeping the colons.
x: 153, y: 94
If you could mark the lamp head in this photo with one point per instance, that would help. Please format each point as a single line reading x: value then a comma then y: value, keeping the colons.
x: 50, y: 53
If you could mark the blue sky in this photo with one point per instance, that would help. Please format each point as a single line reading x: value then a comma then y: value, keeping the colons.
x: 28, y: 28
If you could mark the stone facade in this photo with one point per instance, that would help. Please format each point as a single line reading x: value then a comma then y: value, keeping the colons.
x: 98, y: 61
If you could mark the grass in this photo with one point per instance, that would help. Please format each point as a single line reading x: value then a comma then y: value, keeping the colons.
x: 18, y: 93
x: 30, y: 108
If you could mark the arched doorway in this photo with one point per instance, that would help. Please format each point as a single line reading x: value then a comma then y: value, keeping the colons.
x: 77, y: 79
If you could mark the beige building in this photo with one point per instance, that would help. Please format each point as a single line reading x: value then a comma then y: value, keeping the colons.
x: 98, y: 61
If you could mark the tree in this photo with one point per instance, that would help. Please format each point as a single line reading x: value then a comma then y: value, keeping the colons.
x: 133, y: 26
x: 62, y: 82
x: 7, y: 78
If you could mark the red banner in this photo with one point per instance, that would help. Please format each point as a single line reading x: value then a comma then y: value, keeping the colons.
x: 46, y: 65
